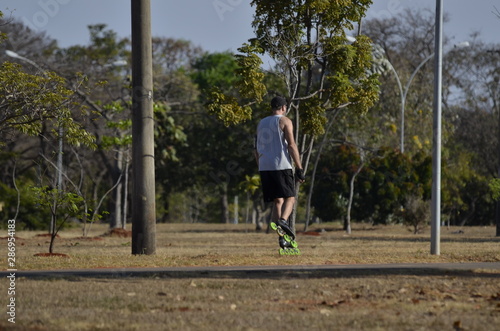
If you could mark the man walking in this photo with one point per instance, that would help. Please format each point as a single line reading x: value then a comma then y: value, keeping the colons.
x: 275, y: 149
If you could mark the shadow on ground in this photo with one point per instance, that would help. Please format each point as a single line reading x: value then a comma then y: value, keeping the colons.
x: 483, y: 269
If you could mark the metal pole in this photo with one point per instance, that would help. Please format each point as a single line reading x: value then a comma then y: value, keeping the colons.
x: 436, y: 151
x: 143, y: 181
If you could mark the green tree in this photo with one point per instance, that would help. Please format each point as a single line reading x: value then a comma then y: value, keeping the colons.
x: 385, y: 184
x: 31, y: 101
x: 321, y: 70
x: 389, y: 181
x: 32, y: 104
x: 46, y: 106
x: 226, y: 152
x: 470, y: 108
x: 477, y: 132
x: 62, y: 206
x: 495, y: 189
x: 467, y: 198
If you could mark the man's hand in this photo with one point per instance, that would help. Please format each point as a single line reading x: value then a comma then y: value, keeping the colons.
x: 299, y: 175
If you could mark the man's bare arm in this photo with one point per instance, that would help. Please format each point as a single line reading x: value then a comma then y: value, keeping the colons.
x: 287, y: 127
x: 255, y: 152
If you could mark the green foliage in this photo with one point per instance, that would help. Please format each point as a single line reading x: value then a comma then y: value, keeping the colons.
x: 111, y: 141
x: 313, y: 117
x: 30, y: 215
x: 3, y: 36
x: 227, y: 108
x: 105, y: 46
x: 215, y: 69
x: 393, y: 178
x: 317, y: 69
x: 67, y: 203
x: 383, y: 186
x: 288, y: 17
x: 168, y: 135
x: 316, y: 63
x: 250, y: 184
x: 121, y: 127
x: 248, y: 82
x: 494, y: 186
x: 31, y: 101
x: 464, y: 189
x: 249, y: 74
x: 62, y: 206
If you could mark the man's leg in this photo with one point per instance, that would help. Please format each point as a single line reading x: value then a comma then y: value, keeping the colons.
x: 277, y: 209
x: 287, y: 207
x: 282, y: 209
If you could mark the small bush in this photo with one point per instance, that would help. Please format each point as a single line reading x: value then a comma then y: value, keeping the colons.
x: 416, y: 213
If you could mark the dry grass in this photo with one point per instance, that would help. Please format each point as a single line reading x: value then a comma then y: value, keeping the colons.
x: 229, y: 245
x: 452, y: 300
x: 344, y: 303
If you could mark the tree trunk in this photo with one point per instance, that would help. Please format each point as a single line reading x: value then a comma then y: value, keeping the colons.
x: 51, y: 245
x: 347, y: 224
x: 224, y: 204
x: 305, y: 162
x: 117, y: 214
x: 125, y: 193
x: 315, y: 167
x: 53, y: 227
x: 247, y: 207
x: 236, y: 211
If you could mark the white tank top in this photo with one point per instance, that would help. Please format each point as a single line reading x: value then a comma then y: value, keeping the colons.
x: 272, y: 146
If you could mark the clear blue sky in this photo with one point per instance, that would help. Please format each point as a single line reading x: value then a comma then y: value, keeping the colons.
x: 219, y: 25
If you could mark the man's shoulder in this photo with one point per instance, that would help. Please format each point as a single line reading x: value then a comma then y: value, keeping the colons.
x: 267, y: 119
x: 285, y: 121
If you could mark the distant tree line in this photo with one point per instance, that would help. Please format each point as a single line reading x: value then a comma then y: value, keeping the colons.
x: 74, y: 104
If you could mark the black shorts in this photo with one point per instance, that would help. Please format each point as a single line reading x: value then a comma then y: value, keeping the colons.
x: 277, y: 184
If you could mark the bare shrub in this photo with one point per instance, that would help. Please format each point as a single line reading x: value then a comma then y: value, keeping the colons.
x: 416, y: 213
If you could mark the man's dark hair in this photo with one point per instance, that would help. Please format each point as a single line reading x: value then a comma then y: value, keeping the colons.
x: 277, y: 103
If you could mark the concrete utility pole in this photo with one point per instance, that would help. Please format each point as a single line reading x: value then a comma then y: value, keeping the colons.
x: 436, y: 150
x: 143, y: 167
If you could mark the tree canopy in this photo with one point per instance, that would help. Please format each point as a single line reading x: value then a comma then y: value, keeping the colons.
x: 207, y: 105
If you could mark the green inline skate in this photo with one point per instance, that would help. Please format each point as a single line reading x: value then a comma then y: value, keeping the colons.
x: 286, y: 247
x: 286, y: 238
